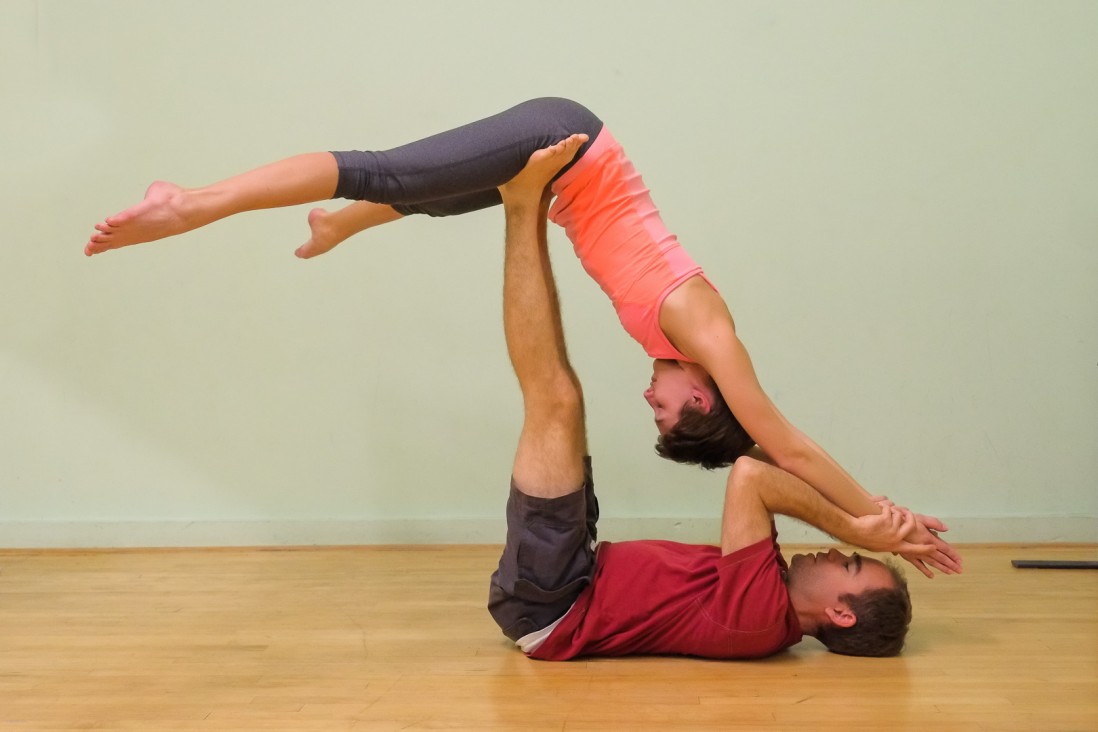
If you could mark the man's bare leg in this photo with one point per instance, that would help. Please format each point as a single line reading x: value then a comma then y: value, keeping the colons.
x: 329, y: 228
x: 168, y: 209
x: 549, y: 457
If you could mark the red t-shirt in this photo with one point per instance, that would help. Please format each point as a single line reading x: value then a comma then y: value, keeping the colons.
x: 661, y: 597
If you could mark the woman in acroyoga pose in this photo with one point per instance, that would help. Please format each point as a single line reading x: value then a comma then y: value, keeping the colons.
x: 709, y: 406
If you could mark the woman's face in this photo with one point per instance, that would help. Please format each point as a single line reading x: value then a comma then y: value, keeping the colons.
x: 674, y: 385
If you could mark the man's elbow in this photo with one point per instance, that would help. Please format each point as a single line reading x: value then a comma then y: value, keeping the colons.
x: 745, y: 476
x: 747, y: 519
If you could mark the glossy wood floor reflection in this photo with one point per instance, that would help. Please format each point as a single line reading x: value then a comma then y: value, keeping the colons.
x: 398, y: 639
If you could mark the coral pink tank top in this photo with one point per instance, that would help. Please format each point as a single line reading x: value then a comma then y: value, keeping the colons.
x: 617, y: 233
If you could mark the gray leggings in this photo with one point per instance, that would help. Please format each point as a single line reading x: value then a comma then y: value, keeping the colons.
x: 457, y: 171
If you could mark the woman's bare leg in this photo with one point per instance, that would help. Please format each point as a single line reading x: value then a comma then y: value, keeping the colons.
x: 329, y: 228
x: 168, y: 210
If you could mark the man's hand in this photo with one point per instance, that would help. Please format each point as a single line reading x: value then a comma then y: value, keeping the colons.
x: 885, y: 531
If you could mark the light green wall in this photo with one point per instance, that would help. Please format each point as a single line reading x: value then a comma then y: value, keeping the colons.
x: 898, y: 200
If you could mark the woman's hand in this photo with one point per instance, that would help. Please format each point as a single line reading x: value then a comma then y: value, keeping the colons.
x: 942, y: 556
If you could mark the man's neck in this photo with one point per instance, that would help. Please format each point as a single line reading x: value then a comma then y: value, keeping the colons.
x: 806, y: 619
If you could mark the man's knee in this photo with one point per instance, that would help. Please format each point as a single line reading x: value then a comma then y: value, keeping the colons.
x: 559, y: 400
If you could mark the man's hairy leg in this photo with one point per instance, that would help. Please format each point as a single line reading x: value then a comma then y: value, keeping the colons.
x: 549, y: 457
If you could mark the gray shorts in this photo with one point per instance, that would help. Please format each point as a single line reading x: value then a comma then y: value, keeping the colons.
x: 548, y: 559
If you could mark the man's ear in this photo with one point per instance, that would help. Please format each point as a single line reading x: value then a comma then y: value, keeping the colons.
x: 841, y: 615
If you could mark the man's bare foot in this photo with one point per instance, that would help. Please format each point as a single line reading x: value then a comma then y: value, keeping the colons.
x: 541, y: 167
x: 160, y: 214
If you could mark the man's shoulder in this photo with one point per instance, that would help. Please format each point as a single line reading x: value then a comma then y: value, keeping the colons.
x: 758, y: 552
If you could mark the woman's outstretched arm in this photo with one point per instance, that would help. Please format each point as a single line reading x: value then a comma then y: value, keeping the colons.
x: 696, y: 320
x: 698, y: 323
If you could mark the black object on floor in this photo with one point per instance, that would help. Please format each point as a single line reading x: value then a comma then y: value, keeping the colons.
x: 1053, y: 564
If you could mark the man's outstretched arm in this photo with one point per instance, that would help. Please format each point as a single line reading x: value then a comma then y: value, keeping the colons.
x: 756, y: 491
x: 924, y: 531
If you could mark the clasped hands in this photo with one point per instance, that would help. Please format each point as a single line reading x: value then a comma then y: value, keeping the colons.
x: 913, y: 536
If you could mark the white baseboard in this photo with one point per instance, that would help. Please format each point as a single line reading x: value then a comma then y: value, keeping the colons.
x: 126, y: 534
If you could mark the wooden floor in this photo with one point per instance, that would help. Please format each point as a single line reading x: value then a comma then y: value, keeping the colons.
x: 398, y: 639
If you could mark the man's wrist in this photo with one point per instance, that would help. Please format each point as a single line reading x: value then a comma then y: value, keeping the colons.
x: 848, y: 529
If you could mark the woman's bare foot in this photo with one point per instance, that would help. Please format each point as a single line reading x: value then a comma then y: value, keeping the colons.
x: 330, y: 228
x: 326, y: 234
x: 163, y: 212
x: 542, y: 166
x: 168, y: 209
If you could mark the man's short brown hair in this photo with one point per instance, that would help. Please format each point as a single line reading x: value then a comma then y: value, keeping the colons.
x: 884, y: 616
